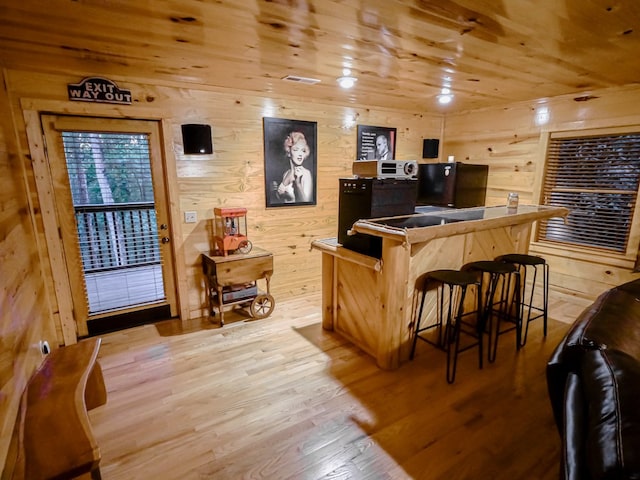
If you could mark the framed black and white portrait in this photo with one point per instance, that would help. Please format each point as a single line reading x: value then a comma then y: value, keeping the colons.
x: 376, y: 143
x: 290, y: 162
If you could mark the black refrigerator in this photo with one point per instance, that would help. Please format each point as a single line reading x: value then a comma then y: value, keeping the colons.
x: 453, y: 185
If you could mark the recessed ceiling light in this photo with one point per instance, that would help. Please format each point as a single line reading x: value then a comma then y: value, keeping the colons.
x: 347, y: 82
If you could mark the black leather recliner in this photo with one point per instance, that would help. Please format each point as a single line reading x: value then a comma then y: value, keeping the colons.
x: 593, y: 379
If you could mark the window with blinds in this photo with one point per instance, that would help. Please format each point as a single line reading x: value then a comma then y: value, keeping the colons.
x: 112, y: 193
x: 596, y: 177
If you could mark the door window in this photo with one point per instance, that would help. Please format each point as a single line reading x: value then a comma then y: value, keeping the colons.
x: 113, y: 201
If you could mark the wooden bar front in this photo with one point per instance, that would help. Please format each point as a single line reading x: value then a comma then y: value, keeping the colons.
x: 369, y: 301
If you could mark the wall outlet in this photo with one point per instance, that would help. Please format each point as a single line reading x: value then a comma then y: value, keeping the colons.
x: 190, y: 217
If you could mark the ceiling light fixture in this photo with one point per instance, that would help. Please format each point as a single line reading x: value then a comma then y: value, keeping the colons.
x: 347, y: 80
x: 445, y: 96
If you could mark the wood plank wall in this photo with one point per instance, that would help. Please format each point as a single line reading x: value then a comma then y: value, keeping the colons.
x: 23, y: 302
x: 508, y: 139
x: 233, y: 174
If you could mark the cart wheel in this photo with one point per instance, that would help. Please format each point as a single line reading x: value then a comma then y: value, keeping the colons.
x: 244, y: 247
x: 262, y: 305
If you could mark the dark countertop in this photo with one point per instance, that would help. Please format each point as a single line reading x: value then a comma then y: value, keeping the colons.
x: 422, y: 226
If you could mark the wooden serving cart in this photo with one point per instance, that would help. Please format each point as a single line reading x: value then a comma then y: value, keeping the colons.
x: 232, y: 281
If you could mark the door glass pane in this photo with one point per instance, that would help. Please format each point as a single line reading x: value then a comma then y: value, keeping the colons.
x: 112, y: 192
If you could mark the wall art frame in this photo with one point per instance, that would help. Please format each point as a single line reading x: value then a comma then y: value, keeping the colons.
x: 370, y: 138
x: 290, y: 162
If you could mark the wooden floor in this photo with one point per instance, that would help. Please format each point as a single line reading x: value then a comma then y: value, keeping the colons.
x: 279, y: 398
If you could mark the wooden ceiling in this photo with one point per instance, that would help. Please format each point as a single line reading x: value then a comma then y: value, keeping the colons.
x: 403, y: 52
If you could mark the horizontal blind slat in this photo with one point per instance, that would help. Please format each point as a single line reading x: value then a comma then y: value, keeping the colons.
x: 112, y: 192
x: 596, y: 177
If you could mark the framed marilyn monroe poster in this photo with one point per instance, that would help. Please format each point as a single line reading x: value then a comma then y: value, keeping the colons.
x: 290, y: 165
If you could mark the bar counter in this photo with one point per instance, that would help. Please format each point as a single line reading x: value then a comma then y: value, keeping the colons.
x: 369, y: 301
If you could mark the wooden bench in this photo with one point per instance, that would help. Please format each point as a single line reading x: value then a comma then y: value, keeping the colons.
x: 54, y: 437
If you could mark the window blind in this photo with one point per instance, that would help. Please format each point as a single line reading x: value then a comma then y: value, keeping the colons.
x: 596, y: 177
x: 112, y: 193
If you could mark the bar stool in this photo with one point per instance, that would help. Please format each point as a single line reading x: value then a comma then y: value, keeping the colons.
x: 535, y: 263
x: 451, y: 287
x: 500, y: 287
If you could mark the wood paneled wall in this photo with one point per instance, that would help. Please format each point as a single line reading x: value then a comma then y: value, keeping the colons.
x: 24, y: 308
x: 234, y: 174
x: 509, y: 141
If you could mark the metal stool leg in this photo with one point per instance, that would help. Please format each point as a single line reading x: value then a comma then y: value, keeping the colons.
x: 416, y: 330
x: 544, y: 309
x: 423, y: 289
x: 454, y: 331
x: 492, y: 342
x: 529, y: 265
x: 545, y: 297
x: 500, y: 284
x: 451, y: 292
x: 511, y: 309
x: 528, y: 302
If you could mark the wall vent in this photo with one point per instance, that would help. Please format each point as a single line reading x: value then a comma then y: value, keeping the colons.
x: 305, y: 80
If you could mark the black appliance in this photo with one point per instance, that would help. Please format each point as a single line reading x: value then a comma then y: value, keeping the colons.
x: 362, y: 198
x: 456, y: 185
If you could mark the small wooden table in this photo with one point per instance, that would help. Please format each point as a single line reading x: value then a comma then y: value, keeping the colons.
x: 232, y: 280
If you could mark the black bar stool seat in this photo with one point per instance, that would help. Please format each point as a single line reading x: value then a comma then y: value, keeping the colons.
x: 455, y: 321
x: 500, y: 287
x: 531, y: 264
x: 521, y: 258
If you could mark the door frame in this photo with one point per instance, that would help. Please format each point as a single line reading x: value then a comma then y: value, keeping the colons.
x: 52, y: 250
x: 53, y: 125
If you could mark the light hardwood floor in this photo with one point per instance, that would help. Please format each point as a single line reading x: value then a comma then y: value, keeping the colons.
x: 279, y: 398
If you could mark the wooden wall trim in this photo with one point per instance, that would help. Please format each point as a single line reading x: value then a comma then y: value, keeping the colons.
x: 47, y: 207
x: 32, y: 110
x: 173, y: 197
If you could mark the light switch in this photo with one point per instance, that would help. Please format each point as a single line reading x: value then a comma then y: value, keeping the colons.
x: 190, y: 217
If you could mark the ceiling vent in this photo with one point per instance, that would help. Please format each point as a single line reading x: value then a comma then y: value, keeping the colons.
x: 305, y: 80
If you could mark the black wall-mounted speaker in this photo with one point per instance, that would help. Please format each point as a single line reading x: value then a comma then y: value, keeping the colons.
x: 196, y: 138
x: 430, y: 147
